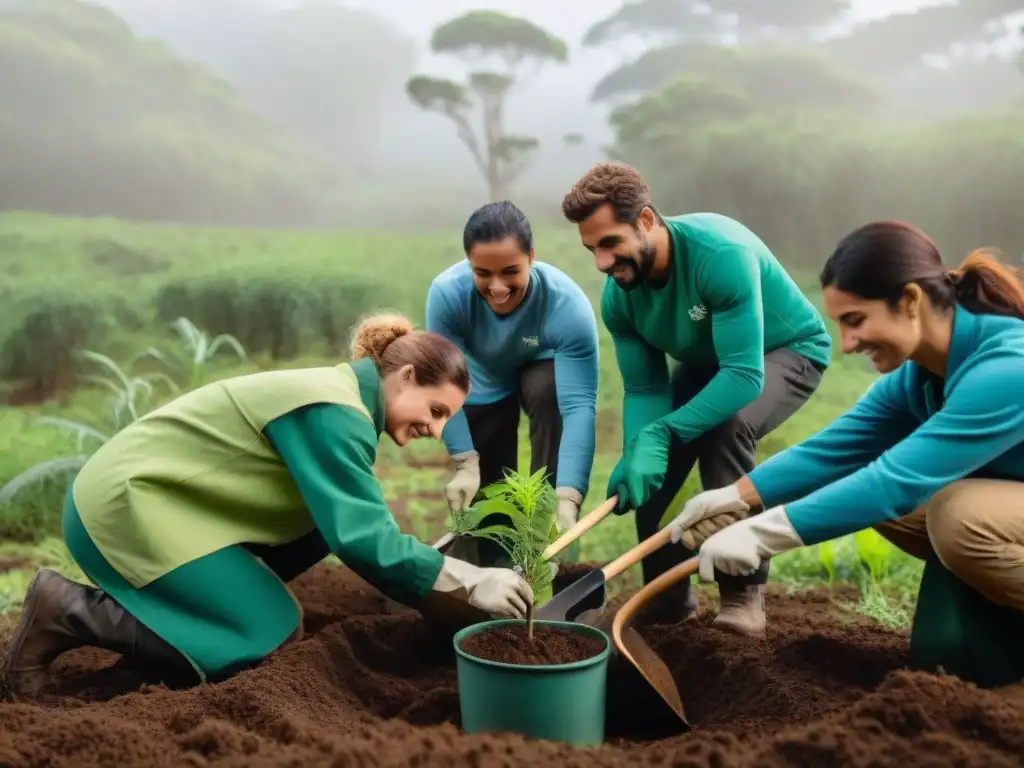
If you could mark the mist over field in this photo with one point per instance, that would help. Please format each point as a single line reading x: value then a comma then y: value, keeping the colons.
x: 272, y: 170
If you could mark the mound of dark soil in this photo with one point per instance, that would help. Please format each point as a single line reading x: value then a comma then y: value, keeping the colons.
x: 368, y: 688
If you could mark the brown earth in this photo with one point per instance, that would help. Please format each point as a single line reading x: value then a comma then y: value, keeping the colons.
x: 367, y: 688
x: 549, y: 645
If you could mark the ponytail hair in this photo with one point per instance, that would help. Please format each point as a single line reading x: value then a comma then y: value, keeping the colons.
x: 392, y: 342
x: 984, y: 285
x: 878, y: 261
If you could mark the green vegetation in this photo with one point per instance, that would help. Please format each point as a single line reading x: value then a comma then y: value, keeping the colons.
x: 530, y: 503
x: 119, y: 124
x: 134, y: 306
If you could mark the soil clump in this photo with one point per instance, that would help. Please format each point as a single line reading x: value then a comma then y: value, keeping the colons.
x: 550, y: 645
x: 366, y: 687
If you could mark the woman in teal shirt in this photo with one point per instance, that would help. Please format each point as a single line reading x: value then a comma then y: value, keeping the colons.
x: 932, y: 456
x: 191, y: 520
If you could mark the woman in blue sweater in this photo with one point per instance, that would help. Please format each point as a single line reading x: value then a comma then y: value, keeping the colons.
x: 932, y: 456
x: 530, y: 336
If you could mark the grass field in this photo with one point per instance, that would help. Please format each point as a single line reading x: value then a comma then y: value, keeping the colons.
x: 290, y: 297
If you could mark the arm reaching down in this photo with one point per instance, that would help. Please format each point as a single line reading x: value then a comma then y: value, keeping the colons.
x: 576, y: 374
x: 462, y: 488
x: 731, y: 286
x: 647, y: 393
x: 879, y: 420
x: 442, y: 318
x: 329, y: 450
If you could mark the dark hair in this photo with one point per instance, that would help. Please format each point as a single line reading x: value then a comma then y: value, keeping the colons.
x: 878, y: 260
x: 617, y: 184
x: 392, y: 342
x: 494, y: 222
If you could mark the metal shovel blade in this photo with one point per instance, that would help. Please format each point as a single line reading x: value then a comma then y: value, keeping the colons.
x: 645, y: 683
x: 589, y: 590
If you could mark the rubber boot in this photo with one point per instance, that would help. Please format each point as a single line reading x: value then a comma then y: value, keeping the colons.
x: 59, y: 615
x: 742, y: 610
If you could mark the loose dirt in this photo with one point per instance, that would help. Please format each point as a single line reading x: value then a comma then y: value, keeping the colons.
x: 366, y: 687
x: 550, y: 645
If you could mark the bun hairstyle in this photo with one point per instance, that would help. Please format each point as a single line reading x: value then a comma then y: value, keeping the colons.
x: 392, y: 342
x: 376, y: 333
x: 877, y: 261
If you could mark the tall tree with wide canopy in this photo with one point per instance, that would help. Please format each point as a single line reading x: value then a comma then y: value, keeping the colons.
x: 512, y: 43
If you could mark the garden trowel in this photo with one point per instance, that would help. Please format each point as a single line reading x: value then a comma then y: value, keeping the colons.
x: 589, y: 590
x: 639, y: 681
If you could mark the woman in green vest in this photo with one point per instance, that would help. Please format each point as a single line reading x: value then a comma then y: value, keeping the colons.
x: 191, y: 520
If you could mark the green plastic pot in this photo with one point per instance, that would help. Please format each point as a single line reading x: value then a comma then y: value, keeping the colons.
x: 558, y: 702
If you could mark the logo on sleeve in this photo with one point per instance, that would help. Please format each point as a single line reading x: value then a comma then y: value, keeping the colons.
x: 698, y: 312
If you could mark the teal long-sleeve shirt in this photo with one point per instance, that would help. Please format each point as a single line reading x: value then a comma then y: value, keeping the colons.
x: 554, y: 320
x: 330, y: 450
x: 726, y: 304
x: 908, y: 437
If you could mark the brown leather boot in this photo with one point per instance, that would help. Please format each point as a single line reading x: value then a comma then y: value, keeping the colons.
x: 59, y: 615
x: 742, y: 610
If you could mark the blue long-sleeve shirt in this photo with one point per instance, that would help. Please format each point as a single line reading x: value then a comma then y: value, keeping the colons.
x: 909, y: 436
x: 555, y: 319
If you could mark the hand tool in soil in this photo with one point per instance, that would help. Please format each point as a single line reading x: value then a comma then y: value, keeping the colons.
x: 589, y: 590
x: 642, y: 681
x: 448, y: 617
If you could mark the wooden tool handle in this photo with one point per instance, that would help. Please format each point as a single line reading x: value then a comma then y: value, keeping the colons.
x: 583, y: 525
x: 668, y: 579
x: 637, y: 553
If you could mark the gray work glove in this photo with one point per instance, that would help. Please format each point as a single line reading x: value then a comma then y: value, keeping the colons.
x: 501, y: 592
x: 705, y: 514
x: 463, y: 487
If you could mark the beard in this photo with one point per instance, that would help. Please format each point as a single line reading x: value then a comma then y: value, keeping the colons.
x: 634, y: 269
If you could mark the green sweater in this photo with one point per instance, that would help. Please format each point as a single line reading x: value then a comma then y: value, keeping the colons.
x: 201, y: 473
x: 726, y: 304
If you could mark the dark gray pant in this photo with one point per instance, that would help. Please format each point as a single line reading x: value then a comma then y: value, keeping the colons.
x: 724, y: 454
x: 494, y: 428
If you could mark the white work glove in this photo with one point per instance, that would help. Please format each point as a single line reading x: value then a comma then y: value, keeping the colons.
x: 739, y: 549
x: 465, y: 483
x: 568, y: 514
x: 706, y: 513
x: 500, y: 592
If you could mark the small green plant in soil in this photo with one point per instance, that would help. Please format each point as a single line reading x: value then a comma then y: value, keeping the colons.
x: 530, y: 503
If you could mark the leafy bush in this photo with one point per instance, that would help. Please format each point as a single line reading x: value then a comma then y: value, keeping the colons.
x: 280, y: 314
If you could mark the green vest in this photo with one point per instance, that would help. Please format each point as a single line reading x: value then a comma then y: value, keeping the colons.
x: 198, y: 475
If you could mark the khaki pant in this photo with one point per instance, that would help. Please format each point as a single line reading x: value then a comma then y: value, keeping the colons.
x: 976, y: 529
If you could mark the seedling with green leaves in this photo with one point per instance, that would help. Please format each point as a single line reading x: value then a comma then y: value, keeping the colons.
x: 530, y: 503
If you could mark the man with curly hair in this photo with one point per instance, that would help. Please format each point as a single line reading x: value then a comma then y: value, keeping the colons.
x: 749, y: 350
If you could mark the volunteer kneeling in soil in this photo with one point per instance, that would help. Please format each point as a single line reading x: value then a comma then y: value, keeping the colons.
x: 932, y: 456
x: 531, y: 338
x: 751, y: 350
x: 172, y: 517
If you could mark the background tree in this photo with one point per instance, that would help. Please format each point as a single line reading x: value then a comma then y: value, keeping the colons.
x: 942, y: 49
x: 111, y: 114
x: 513, y: 43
